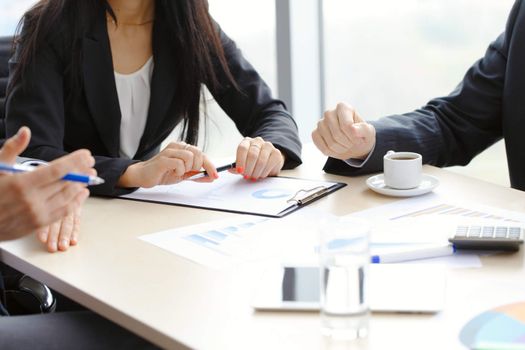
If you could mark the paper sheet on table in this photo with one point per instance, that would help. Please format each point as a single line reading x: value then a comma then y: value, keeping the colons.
x: 294, y: 239
x: 432, y: 219
x: 441, y: 207
x: 223, y: 243
x: 270, y: 196
x: 216, y: 244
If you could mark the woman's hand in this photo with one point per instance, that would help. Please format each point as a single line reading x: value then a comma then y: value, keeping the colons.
x: 343, y: 134
x: 172, y: 165
x: 258, y: 159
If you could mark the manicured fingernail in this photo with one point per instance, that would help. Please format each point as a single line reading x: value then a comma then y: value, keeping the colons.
x: 240, y: 170
x: 52, y: 246
x: 246, y: 177
x: 254, y: 179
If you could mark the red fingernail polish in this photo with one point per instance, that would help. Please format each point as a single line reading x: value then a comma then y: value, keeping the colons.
x: 254, y: 179
x: 240, y: 170
x: 246, y: 177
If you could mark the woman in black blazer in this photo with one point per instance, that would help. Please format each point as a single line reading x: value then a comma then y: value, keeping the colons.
x: 62, y: 86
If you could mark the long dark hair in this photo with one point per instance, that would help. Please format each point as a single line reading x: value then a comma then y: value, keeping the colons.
x: 195, y: 36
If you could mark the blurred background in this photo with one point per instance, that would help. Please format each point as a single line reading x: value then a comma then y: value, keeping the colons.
x: 383, y: 57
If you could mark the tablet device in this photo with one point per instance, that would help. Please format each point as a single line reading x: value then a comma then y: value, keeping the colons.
x: 391, y: 288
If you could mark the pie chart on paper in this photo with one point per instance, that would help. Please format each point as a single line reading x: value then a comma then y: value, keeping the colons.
x: 500, y: 328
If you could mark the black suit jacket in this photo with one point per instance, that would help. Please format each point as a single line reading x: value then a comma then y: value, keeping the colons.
x: 489, y: 104
x: 6, y: 45
x: 92, y: 119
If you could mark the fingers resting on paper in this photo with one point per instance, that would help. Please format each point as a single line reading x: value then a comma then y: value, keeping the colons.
x: 258, y: 159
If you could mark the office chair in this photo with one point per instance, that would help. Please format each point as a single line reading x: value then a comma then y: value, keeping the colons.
x: 29, y: 296
x: 6, y: 45
x: 22, y: 295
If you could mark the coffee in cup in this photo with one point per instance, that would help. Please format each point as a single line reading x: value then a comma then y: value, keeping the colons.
x: 402, y: 170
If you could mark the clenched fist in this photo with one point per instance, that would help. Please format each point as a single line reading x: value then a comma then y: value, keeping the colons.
x: 343, y: 134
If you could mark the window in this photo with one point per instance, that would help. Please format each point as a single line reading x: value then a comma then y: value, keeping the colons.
x: 386, y: 57
x: 251, y: 24
x: 11, y: 11
x: 390, y: 57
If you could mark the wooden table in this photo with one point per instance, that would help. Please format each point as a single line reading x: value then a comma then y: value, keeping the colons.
x: 176, y: 303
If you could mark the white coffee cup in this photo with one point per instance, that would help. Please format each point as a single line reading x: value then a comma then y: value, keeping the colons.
x: 402, y: 170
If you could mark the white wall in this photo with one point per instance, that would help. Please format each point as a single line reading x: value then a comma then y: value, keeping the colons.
x: 10, y: 13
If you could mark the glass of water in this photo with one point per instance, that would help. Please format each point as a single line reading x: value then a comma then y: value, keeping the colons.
x: 344, y: 259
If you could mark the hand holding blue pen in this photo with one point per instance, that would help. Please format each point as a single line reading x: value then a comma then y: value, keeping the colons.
x: 40, y: 200
x: 73, y: 177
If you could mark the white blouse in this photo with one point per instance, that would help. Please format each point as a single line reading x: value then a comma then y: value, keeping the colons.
x: 134, y: 93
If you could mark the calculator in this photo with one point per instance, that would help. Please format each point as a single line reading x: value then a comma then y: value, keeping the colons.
x: 477, y: 237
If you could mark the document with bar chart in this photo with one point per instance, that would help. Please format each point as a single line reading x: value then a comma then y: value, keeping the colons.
x: 431, y: 220
x: 223, y: 243
x: 216, y: 244
x: 447, y: 210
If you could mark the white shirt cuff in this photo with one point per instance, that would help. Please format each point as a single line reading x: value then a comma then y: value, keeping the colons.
x: 358, y: 163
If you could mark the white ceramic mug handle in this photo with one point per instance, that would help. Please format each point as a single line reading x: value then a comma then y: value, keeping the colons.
x: 390, y: 152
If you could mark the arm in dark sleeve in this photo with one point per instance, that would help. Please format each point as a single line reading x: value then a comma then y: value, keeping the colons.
x: 449, y: 130
x: 37, y: 101
x: 253, y: 109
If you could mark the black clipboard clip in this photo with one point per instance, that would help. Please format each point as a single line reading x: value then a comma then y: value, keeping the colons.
x: 303, y: 197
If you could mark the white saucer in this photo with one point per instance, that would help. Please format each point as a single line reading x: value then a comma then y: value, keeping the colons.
x: 377, y: 184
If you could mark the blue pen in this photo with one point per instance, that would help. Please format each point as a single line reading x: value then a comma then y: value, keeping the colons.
x: 413, y: 254
x: 73, y: 177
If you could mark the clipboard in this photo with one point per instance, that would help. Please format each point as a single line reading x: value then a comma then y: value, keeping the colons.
x: 273, y: 197
x: 304, y: 197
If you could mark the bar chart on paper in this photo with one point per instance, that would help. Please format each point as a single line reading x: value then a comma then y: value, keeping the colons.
x: 222, y: 243
x: 215, y: 244
x: 219, y: 239
x: 444, y: 209
x: 441, y: 208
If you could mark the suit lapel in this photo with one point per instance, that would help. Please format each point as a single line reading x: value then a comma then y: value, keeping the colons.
x: 100, y: 88
x: 162, y: 86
